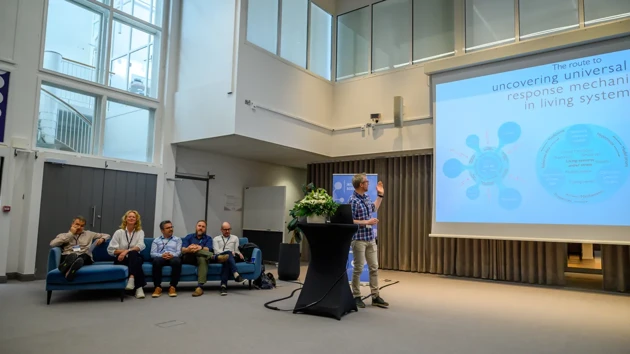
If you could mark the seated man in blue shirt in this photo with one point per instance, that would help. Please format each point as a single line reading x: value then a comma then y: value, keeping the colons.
x: 166, y: 250
x: 197, y: 250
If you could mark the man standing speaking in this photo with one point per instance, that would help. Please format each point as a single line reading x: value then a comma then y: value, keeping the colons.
x: 364, y: 241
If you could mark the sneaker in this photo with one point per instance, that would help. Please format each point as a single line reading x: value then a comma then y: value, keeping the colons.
x: 238, y: 278
x: 378, y: 301
x: 172, y: 292
x: 359, y: 302
x: 131, y: 284
x: 157, y: 292
x: 140, y: 293
x: 76, y: 265
x: 223, y: 290
x: 198, y: 292
x: 67, y: 263
x: 222, y: 258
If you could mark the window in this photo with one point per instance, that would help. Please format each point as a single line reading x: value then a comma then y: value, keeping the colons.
x: 489, y: 23
x: 597, y: 11
x: 353, y: 43
x: 542, y: 17
x: 128, y: 132
x: 66, y: 120
x: 262, y: 24
x: 433, y: 29
x: 293, y: 34
x: 391, y: 31
x: 320, y: 53
x: 130, y: 59
x: 76, y: 39
x: 74, y: 47
x: 145, y: 10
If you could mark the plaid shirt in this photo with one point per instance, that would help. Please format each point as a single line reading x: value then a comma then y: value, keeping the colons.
x: 362, y: 209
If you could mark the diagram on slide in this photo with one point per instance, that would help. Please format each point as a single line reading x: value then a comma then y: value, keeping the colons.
x: 488, y: 167
x: 583, y: 163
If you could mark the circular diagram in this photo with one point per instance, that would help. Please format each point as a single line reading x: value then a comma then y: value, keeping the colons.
x: 488, y: 166
x: 583, y: 163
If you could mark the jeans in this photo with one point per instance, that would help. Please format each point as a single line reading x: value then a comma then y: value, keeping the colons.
x: 176, y: 270
x: 133, y: 261
x: 364, y: 251
x: 228, y: 268
x: 200, y: 259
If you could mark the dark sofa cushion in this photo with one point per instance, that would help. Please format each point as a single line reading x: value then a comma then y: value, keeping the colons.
x: 96, y: 273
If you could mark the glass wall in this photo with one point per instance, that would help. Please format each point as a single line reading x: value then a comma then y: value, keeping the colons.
x: 353, y: 43
x: 289, y: 35
x: 433, y: 32
x: 542, y: 17
x: 320, y: 39
x: 489, y: 23
x: 598, y: 11
x: 391, y: 28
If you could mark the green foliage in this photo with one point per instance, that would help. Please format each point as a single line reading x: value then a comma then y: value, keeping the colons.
x: 316, y: 201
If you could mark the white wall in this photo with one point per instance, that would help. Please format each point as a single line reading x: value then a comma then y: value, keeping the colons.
x: 204, y: 104
x: 232, y: 175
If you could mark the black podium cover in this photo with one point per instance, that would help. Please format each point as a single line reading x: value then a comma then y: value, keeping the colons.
x: 329, y: 244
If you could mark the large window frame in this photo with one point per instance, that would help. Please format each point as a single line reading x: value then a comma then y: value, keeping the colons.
x: 101, y: 90
x: 459, y: 32
x: 278, y: 48
x: 110, y: 14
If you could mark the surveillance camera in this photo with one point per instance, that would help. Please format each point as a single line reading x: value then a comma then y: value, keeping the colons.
x: 375, y: 117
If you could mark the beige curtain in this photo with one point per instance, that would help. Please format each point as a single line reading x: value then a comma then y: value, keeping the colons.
x: 405, y: 224
x: 616, y: 267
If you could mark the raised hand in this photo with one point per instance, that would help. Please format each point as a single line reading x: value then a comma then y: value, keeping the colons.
x: 380, y: 188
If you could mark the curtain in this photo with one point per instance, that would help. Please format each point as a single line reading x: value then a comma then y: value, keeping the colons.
x: 616, y: 267
x: 405, y: 223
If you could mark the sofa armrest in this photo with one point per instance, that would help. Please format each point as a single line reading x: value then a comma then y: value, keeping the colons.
x: 258, y: 263
x: 54, y: 258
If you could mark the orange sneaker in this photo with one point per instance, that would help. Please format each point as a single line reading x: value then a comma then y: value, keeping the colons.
x: 172, y: 292
x: 157, y: 292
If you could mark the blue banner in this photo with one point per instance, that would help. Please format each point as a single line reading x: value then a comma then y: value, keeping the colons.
x: 341, y: 193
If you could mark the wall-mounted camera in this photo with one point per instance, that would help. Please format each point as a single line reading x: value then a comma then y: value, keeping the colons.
x: 375, y: 117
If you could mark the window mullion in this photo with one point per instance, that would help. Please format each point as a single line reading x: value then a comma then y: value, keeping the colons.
x: 581, y: 14
x: 100, y: 128
x: 308, y: 35
x: 279, y: 40
x: 106, y: 56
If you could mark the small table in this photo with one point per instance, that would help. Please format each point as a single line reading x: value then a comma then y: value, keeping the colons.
x: 326, y: 279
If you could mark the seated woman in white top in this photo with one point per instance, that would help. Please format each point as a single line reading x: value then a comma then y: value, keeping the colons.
x: 126, y: 245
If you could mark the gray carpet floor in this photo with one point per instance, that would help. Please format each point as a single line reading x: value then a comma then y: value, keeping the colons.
x: 428, y: 314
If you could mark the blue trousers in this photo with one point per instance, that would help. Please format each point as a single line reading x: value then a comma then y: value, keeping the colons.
x: 229, y: 268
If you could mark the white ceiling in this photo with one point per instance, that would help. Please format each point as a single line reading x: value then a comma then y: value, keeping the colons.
x: 257, y: 150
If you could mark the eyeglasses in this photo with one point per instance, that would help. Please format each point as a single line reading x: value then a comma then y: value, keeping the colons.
x: 226, y: 229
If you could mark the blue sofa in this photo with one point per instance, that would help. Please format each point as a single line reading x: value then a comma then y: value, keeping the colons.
x: 103, y: 274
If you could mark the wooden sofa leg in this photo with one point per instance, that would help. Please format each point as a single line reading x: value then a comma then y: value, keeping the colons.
x: 250, y: 284
x: 48, y: 296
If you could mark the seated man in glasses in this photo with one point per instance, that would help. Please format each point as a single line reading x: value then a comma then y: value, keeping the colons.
x: 227, y: 244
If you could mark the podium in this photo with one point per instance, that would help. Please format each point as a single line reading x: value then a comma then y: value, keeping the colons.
x: 326, y: 278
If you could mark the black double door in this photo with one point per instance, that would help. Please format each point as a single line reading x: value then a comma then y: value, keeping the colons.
x: 101, y: 196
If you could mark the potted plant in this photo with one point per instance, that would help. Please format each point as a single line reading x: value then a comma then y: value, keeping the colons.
x: 317, y: 206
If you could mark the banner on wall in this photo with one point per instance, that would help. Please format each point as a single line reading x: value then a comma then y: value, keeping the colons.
x: 4, y: 95
x: 341, y: 193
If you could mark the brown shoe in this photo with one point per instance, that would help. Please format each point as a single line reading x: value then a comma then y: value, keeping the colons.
x: 198, y: 292
x: 172, y: 292
x: 157, y: 292
x: 222, y: 258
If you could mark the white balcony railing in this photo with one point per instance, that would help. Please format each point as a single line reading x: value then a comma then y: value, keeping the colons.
x: 62, y: 126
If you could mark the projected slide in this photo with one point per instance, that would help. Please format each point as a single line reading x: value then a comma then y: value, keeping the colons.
x: 541, y: 145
